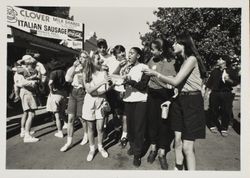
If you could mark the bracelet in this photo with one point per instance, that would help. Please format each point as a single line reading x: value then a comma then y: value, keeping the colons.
x: 158, y: 75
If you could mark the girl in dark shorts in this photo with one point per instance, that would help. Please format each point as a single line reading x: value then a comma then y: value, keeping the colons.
x: 186, y: 112
x: 74, y: 76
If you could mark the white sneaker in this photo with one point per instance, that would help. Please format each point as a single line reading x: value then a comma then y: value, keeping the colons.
x: 213, y: 130
x: 90, y: 155
x: 84, y: 141
x: 224, y: 133
x: 103, y: 153
x: 22, y: 134
x: 65, y: 147
x: 30, y: 139
x: 59, y: 134
x: 65, y: 126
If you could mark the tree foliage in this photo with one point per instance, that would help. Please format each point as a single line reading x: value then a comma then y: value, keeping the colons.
x: 216, y: 31
x: 62, y: 12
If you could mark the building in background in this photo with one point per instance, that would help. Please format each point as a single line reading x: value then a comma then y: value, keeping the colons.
x: 90, y: 44
x: 43, y: 33
x: 31, y: 32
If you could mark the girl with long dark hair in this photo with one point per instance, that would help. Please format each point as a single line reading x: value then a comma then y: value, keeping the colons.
x: 187, y: 111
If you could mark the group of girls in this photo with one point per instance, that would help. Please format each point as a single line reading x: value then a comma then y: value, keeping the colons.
x: 138, y: 98
x: 146, y: 87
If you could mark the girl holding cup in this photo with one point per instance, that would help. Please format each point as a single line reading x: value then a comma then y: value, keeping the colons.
x: 187, y: 111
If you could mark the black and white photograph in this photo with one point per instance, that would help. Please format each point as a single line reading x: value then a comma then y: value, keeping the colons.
x: 144, y: 89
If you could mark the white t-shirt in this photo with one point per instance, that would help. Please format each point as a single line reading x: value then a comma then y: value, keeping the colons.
x: 40, y: 68
x: 132, y: 94
x: 111, y: 62
x: 97, y: 78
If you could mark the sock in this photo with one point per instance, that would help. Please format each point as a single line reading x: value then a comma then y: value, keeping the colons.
x: 69, y: 140
x: 179, y: 166
x: 153, y: 147
x: 22, y: 129
x: 100, y: 146
x: 60, y: 131
x: 161, y: 152
x: 124, y: 135
x: 92, y: 147
x: 85, y: 136
x: 27, y: 134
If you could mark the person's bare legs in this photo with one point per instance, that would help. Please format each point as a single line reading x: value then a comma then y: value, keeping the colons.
x: 124, y: 126
x: 28, y: 122
x: 91, y: 126
x: 23, y: 121
x: 188, y: 149
x: 99, y: 127
x: 58, y: 122
x: 178, y: 148
x: 85, y: 131
x: 70, y: 131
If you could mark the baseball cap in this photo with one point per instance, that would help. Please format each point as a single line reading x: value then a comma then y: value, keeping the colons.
x: 26, y: 57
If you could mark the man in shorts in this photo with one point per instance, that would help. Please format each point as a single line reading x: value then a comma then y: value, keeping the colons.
x: 27, y: 95
x: 56, y: 102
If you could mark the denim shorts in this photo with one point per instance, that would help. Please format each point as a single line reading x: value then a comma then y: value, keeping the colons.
x: 75, y: 103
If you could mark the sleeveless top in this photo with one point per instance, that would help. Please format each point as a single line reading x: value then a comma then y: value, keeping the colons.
x: 193, y: 82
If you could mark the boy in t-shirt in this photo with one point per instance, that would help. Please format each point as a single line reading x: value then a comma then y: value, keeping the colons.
x: 56, y: 102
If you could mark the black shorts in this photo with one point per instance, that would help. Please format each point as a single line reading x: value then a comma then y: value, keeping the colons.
x: 188, y: 117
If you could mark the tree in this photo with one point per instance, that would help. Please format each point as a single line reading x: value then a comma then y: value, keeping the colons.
x: 216, y: 31
x: 62, y: 12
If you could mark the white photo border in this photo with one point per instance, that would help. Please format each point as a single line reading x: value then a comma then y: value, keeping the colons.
x: 245, y: 94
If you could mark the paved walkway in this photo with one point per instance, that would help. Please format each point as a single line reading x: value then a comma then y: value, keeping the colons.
x: 213, y: 153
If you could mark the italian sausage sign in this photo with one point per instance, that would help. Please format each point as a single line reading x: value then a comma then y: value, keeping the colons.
x: 45, y: 25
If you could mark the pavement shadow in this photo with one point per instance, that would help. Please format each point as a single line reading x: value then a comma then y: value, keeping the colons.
x: 208, y: 121
x: 111, y: 135
x: 14, y: 109
x: 13, y: 126
x: 46, y: 133
x: 234, y: 122
x: 236, y: 126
